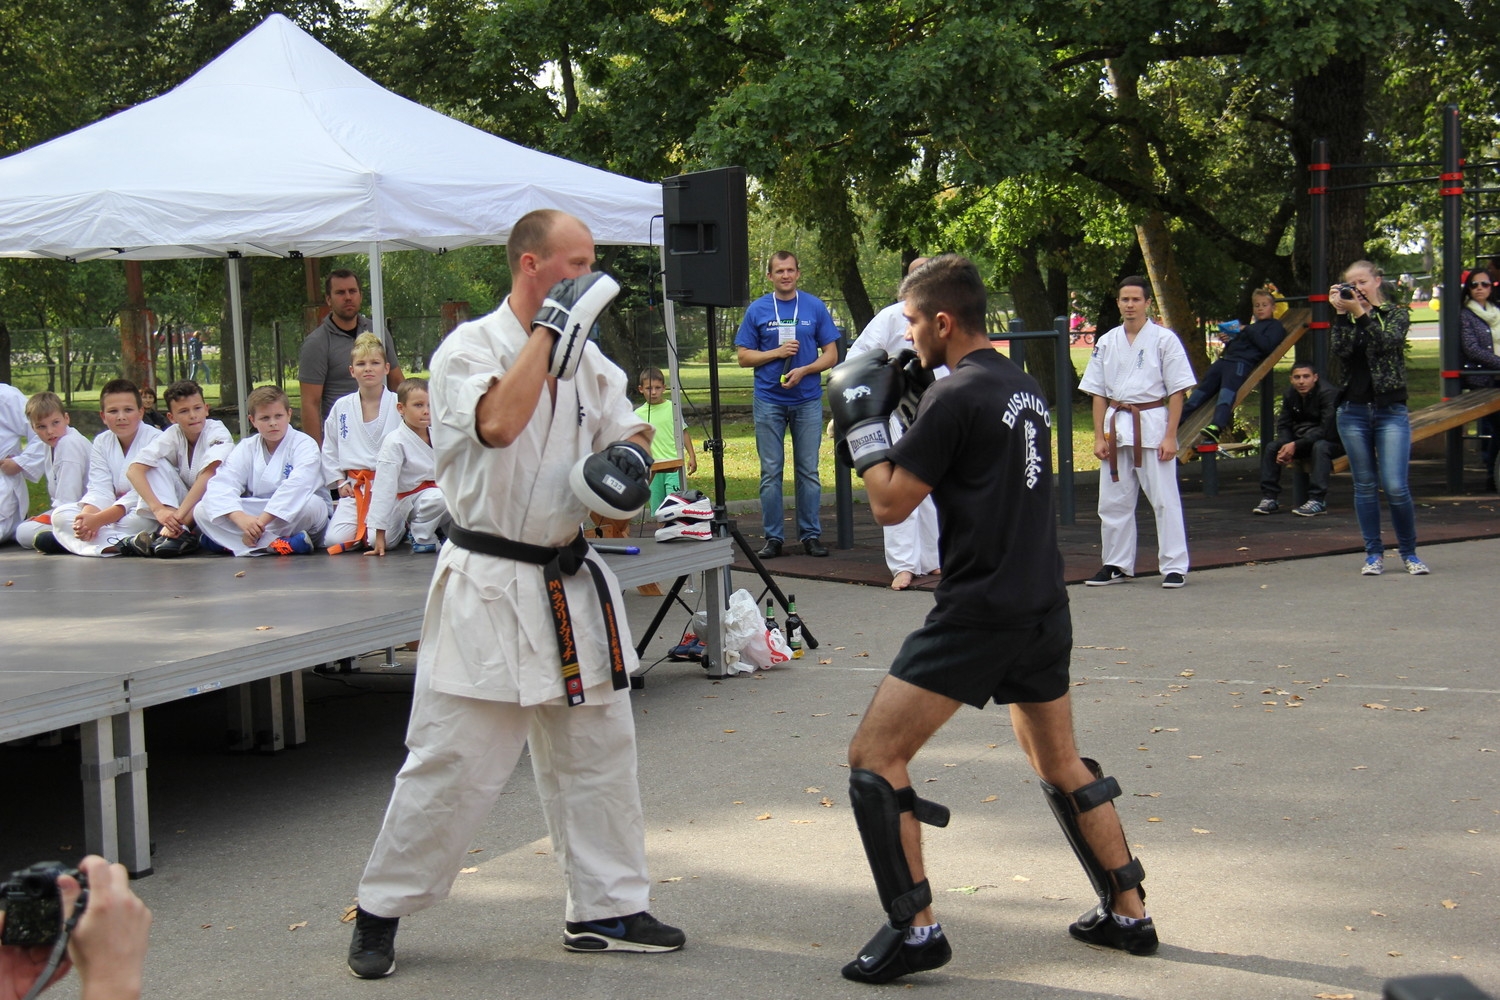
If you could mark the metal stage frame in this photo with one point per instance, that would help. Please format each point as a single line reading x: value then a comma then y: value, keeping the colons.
x: 93, y: 643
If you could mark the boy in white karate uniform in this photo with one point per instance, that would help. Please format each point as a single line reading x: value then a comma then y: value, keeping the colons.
x: 352, y: 435
x: 268, y: 495
x: 16, y: 466
x: 405, y: 493
x: 1137, y: 375
x: 66, y: 462
x: 172, y: 474
x: 107, y: 512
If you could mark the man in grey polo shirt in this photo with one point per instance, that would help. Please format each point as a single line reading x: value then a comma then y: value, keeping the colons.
x: 323, y: 368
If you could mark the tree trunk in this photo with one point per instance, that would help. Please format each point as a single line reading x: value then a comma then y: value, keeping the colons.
x: 1152, y: 233
x: 135, y: 349
x: 1033, y: 302
x: 1331, y: 105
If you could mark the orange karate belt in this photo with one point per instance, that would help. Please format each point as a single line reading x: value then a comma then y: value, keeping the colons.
x: 363, y: 482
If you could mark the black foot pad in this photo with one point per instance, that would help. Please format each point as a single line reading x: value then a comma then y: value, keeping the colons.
x: 878, y: 962
x: 1098, y: 927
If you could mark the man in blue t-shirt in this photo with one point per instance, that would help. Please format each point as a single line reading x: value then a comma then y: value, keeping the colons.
x: 788, y: 337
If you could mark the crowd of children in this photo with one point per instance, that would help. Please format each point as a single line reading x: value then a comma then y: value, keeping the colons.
x: 145, y: 491
x: 142, y: 491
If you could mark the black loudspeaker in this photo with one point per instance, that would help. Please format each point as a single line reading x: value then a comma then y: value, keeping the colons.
x: 707, y: 242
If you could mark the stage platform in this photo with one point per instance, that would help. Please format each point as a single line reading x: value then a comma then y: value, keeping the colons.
x: 93, y: 643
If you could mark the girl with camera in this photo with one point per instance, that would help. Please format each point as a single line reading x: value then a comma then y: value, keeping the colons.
x: 1369, y: 338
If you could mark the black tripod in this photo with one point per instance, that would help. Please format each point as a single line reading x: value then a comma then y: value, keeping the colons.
x: 722, y: 525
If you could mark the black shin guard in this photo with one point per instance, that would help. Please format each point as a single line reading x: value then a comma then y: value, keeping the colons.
x: 1099, y: 926
x: 1067, y: 806
x: 877, y: 811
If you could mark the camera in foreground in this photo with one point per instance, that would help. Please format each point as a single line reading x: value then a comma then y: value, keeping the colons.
x: 33, y: 904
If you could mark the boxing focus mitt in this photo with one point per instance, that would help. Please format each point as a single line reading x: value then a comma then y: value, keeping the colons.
x: 571, y: 310
x: 615, y: 482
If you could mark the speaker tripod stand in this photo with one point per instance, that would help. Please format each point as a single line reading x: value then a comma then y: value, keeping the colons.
x: 722, y: 525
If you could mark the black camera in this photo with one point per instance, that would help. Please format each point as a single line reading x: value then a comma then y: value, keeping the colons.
x: 33, y: 904
x: 1346, y: 291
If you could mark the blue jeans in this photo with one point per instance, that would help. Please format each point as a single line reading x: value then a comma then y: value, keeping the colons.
x: 1378, y: 442
x: 805, y: 421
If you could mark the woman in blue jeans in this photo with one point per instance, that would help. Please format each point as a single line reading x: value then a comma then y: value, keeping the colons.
x: 1369, y: 337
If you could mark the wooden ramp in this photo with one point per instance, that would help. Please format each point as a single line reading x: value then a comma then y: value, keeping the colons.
x: 1433, y: 420
x: 1188, y: 432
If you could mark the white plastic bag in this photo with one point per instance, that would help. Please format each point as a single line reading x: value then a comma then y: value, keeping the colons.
x: 745, y: 633
x: 768, y: 650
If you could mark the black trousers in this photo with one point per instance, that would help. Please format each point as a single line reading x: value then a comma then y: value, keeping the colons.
x: 1319, y: 455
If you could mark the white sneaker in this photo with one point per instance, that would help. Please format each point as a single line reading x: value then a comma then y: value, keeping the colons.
x: 1374, y: 566
x: 1416, y: 567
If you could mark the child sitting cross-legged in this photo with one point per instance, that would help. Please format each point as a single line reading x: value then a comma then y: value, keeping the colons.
x: 268, y: 495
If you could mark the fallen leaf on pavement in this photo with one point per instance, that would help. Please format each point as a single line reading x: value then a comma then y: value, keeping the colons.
x: 1449, y: 904
x: 826, y: 802
x: 989, y: 798
x: 1199, y: 829
x: 467, y: 871
x: 297, y: 926
x: 763, y: 816
x: 1373, y: 704
x: 264, y: 628
x: 349, y: 914
x: 674, y: 878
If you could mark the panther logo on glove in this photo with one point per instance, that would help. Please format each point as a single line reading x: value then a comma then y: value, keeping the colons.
x: 851, y: 394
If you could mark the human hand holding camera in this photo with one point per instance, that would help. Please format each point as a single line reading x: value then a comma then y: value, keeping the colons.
x: 107, y: 944
x: 1346, y: 300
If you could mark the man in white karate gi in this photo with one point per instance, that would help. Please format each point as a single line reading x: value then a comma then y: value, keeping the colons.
x: 1137, y: 375
x: 524, y: 638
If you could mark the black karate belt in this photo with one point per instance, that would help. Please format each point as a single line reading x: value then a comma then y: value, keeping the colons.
x: 555, y: 562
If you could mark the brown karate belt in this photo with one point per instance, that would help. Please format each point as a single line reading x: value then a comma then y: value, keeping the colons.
x: 1134, y: 409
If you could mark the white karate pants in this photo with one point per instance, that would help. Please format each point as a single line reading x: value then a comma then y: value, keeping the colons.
x: 312, y: 518
x: 461, y: 752
x: 912, y: 545
x: 1117, y: 502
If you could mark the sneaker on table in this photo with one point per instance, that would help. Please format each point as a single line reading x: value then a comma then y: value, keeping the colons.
x: 638, y: 932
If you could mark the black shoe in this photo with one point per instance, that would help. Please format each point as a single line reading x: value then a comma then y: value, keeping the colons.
x: 639, y: 932
x: 372, y: 953
x: 933, y: 953
x: 1106, y: 576
x: 1098, y: 926
x: 136, y: 545
x: 814, y: 547
x: 184, y: 544
x: 46, y: 543
x: 771, y: 549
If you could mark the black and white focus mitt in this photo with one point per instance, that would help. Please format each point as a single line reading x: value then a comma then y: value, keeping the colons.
x: 615, y: 482
x: 571, y: 310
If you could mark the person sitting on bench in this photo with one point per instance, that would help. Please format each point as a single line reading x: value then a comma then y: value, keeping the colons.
x: 1248, y: 348
x: 1307, y: 430
x: 1478, y: 329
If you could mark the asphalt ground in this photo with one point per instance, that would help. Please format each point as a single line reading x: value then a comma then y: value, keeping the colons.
x: 1308, y: 757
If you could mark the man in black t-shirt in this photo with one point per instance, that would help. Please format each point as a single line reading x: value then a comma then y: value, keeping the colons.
x: 999, y: 629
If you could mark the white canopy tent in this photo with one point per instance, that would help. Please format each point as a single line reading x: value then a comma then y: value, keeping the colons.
x: 280, y: 148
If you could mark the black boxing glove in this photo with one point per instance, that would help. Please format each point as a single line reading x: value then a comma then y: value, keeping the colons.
x: 863, y: 392
x: 615, y: 482
x: 915, y: 381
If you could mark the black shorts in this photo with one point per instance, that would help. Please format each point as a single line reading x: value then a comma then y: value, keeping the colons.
x: 976, y: 665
